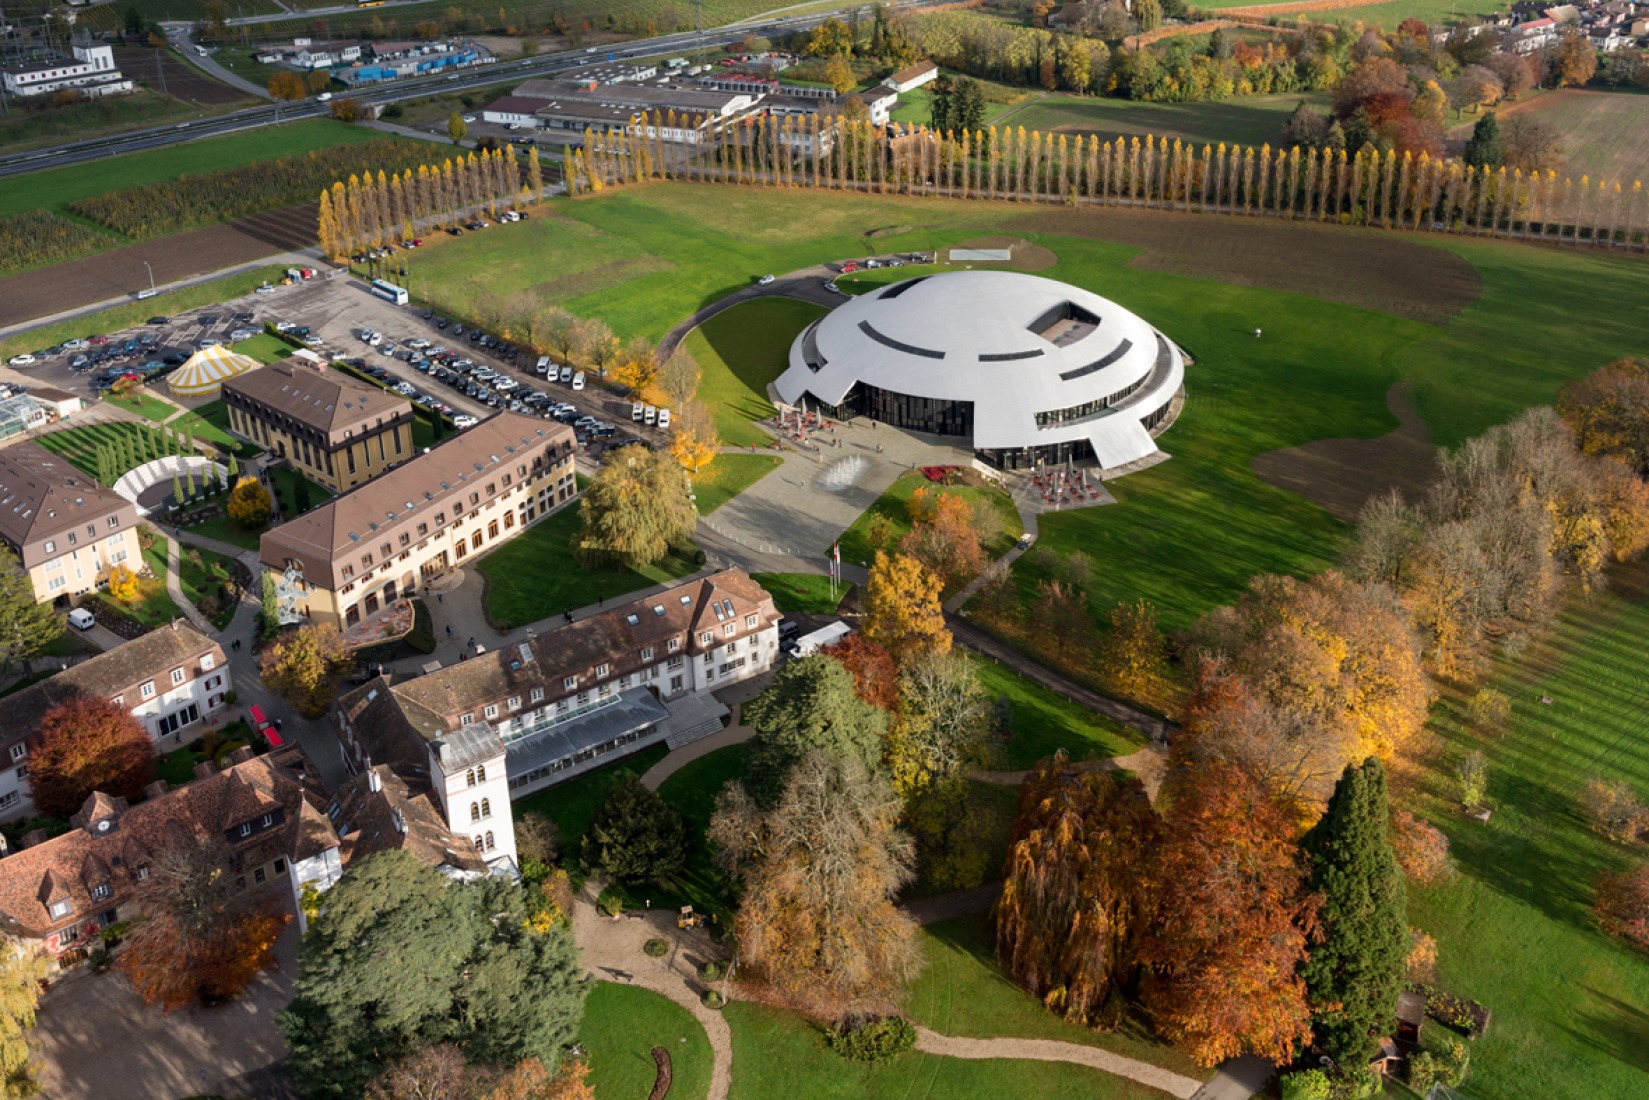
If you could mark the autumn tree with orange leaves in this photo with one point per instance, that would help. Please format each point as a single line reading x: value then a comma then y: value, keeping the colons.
x: 199, y: 937
x: 1232, y: 926
x: 88, y: 744
x: 875, y: 676
x: 1609, y: 411
x: 441, y: 1072
x: 945, y: 535
x: 1076, y: 902
x: 902, y: 610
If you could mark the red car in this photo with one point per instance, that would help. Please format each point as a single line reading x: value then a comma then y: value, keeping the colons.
x: 98, y: 340
x: 265, y: 728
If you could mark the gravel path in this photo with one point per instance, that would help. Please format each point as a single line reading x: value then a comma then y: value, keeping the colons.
x: 1050, y: 1050
x: 1150, y: 764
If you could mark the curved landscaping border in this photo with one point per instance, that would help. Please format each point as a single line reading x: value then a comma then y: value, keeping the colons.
x: 140, y: 479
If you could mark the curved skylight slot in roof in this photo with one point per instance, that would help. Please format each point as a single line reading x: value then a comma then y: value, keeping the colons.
x: 1099, y: 364
x: 898, y: 345
x: 1009, y: 356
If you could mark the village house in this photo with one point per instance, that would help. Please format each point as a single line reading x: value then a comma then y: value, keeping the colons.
x: 174, y: 680
x: 566, y: 701
x: 913, y: 76
x: 66, y: 530
x: 334, y: 430
x: 265, y: 813
x: 88, y: 70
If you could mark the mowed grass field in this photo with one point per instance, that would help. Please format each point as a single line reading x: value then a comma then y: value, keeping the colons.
x: 1436, y: 13
x: 1252, y: 120
x: 1571, y: 1007
x: 1603, y: 133
x: 55, y: 188
x: 621, y: 1026
x: 739, y: 352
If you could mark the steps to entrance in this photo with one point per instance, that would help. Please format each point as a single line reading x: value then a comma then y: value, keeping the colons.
x: 691, y: 717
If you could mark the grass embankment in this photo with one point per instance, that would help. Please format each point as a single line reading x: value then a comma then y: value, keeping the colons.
x: 727, y: 476
x: 143, y: 404
x: 807, y: 593
x: 740, y: 352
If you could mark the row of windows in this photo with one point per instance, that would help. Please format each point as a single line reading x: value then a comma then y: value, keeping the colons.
x: 567, y: 762
x: 91, y: 533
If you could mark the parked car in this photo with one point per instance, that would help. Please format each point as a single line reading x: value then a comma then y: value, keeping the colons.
x: 21, y: 360
x: 264, y: 289
x: 464, y: 420
x: 764, y: 280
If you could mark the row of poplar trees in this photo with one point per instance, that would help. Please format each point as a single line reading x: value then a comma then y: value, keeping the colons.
x: 368, y: 212
x: 1367, y: 187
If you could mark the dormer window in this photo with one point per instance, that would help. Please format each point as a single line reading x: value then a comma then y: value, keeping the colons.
x: 61, y: 909
x: 101, y: 892
x: 51, y: 547
x: 207, y: 663
x: 750, y: 622
x: 601, y: 671
x: 675, y: 644
x: 268, y: 820
x: 177, y: 677
x: 246, y: 830
x: 148, y: 690
x: 570, y: 682
x: 707, y: 638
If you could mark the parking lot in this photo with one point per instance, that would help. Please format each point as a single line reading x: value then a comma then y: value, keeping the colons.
x: 441, y: 365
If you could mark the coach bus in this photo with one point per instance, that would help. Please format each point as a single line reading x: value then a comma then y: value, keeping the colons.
x: 389, y: 292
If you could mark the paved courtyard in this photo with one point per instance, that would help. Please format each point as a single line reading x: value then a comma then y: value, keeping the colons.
x: 97, y: 1039
x: 801, y: 508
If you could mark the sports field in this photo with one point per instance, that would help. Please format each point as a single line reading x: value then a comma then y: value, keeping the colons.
x: 1603, y: 133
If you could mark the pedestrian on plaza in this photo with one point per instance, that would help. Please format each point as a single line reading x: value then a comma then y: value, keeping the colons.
x: 449, y: 630
x: 472, y: 641
x: 440, y: 597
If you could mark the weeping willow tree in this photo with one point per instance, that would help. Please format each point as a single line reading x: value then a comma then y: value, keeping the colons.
x: 1075, y: 903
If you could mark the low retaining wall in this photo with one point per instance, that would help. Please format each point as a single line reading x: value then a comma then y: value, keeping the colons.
x: 140, y: 479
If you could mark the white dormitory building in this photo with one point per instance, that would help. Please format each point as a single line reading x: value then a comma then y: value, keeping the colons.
x: 88, y: 70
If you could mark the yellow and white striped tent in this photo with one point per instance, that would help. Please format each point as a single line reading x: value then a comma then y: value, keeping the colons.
x: 203, y: 374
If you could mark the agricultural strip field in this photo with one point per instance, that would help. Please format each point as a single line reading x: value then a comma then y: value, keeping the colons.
x: 1251, y: 120
x: 163, y: 68
x: 1603, y: 133
x: 1433, y: 12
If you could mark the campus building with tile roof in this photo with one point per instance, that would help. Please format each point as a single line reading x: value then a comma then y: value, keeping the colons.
x: 336, y: 431
x: 173, y: 680
x: 66, y: 530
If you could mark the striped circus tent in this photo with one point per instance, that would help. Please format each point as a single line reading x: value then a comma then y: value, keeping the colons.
x: 203, y: 374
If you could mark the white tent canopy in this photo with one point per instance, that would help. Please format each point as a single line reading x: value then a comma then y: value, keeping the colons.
x: 203, y: 374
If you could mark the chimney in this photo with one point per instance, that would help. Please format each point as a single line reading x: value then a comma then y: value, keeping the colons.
x: 373, y: 783
x: 241, y: 755
x: 33, y: 837
x: 205, y: 770
x: 400, y: 822
x: 157, y: 789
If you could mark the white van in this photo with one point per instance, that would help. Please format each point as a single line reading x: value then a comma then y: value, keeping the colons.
x: 81, y: 619
x: 664, y: 418
x: 578, y: 380
x: 543, y: 366
x: 143, y: 294
x: 650, y: 416
x: 636, y: 410
x: 566, y: 374
x: 323, y: 97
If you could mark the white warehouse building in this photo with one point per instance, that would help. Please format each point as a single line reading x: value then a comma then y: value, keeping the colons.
x: 1030, y: 369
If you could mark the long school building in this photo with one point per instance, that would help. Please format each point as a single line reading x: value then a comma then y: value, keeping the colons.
x: 359, y: 552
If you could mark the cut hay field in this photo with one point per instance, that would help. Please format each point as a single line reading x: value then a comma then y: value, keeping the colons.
x: 1605, y: 134
x: 1437, y: 13
x: 1253, y: 120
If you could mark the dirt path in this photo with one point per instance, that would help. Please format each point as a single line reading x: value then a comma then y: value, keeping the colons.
x: 1150, y: 764
x: 1050, y: 1050
x: 1343, y: 474
x: 613, y: 951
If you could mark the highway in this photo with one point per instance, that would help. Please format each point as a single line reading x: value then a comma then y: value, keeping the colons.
x: 76, y: 152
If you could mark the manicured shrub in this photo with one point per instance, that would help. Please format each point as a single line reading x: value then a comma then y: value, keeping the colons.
x: 873, y: 1040
x: 712, y: 999
x: 1307, y: 1084
x: 712, y: 971
x: 656, y: 948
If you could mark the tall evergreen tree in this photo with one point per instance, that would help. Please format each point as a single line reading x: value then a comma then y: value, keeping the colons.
x: 941, y: 118
x: 26, y: 625
x: 1483, y: 147
x: 810, y: 705
x: 1356, y: 972
x: 636, y: 836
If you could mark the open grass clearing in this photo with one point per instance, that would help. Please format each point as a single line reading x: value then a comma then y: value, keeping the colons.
x: 1043, y: 722
x: 1435, y: 13
x: 79, y: 445
x: 144, y: 404
x: 153, y: 605
x: 210, y: 422
x: 805, y: 593
x: 1249, y: 120
x: 727, y: 476
x: 740, y: 351
x: 1602, y: 132
x: 55, y: 188
x: 621, y: 1026
x: 534, y: 576
x: 264, y: 348
x: 1514, y: 928
x: 207, y: 581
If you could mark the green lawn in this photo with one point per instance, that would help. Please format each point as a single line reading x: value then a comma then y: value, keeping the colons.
x: 894, y: 505
x: 79, y: 445
x: 55, y: 188
x: 916, y: 105
x: 1601, y: 129
x: 207, y: 581
x: 1250, y: 120
x: 211, y: 423
x: 727, y: 476
x: 621, y: 1026
x: 534, y: 576
x: 224, y: 529
x: 1514, y: 930
x: 153, y: 605
x: 142, y: 108
x: 120, y: 317
x: 740, y: 351
x: 143, y: 404
x: 264, y: 348
x: 1044, y: 722
x: 780, y: 1056
x: 287, y: 482
x: 804, y: 592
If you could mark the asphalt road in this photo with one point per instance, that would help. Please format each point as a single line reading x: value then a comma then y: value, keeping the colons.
x: 76, y: 152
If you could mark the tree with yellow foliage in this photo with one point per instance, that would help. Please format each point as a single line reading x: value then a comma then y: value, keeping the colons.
x: 22, y: 969
x: 123, y: 584
x: 695, y: 440
x: 249, y: 503
x: 303, y: 667
x: 902, y: 610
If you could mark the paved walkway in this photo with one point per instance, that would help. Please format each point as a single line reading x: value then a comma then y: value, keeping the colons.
x: 612, y: 951
x: 1049, y: 1050
x: 174, y: 588
x: 734, y: 734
